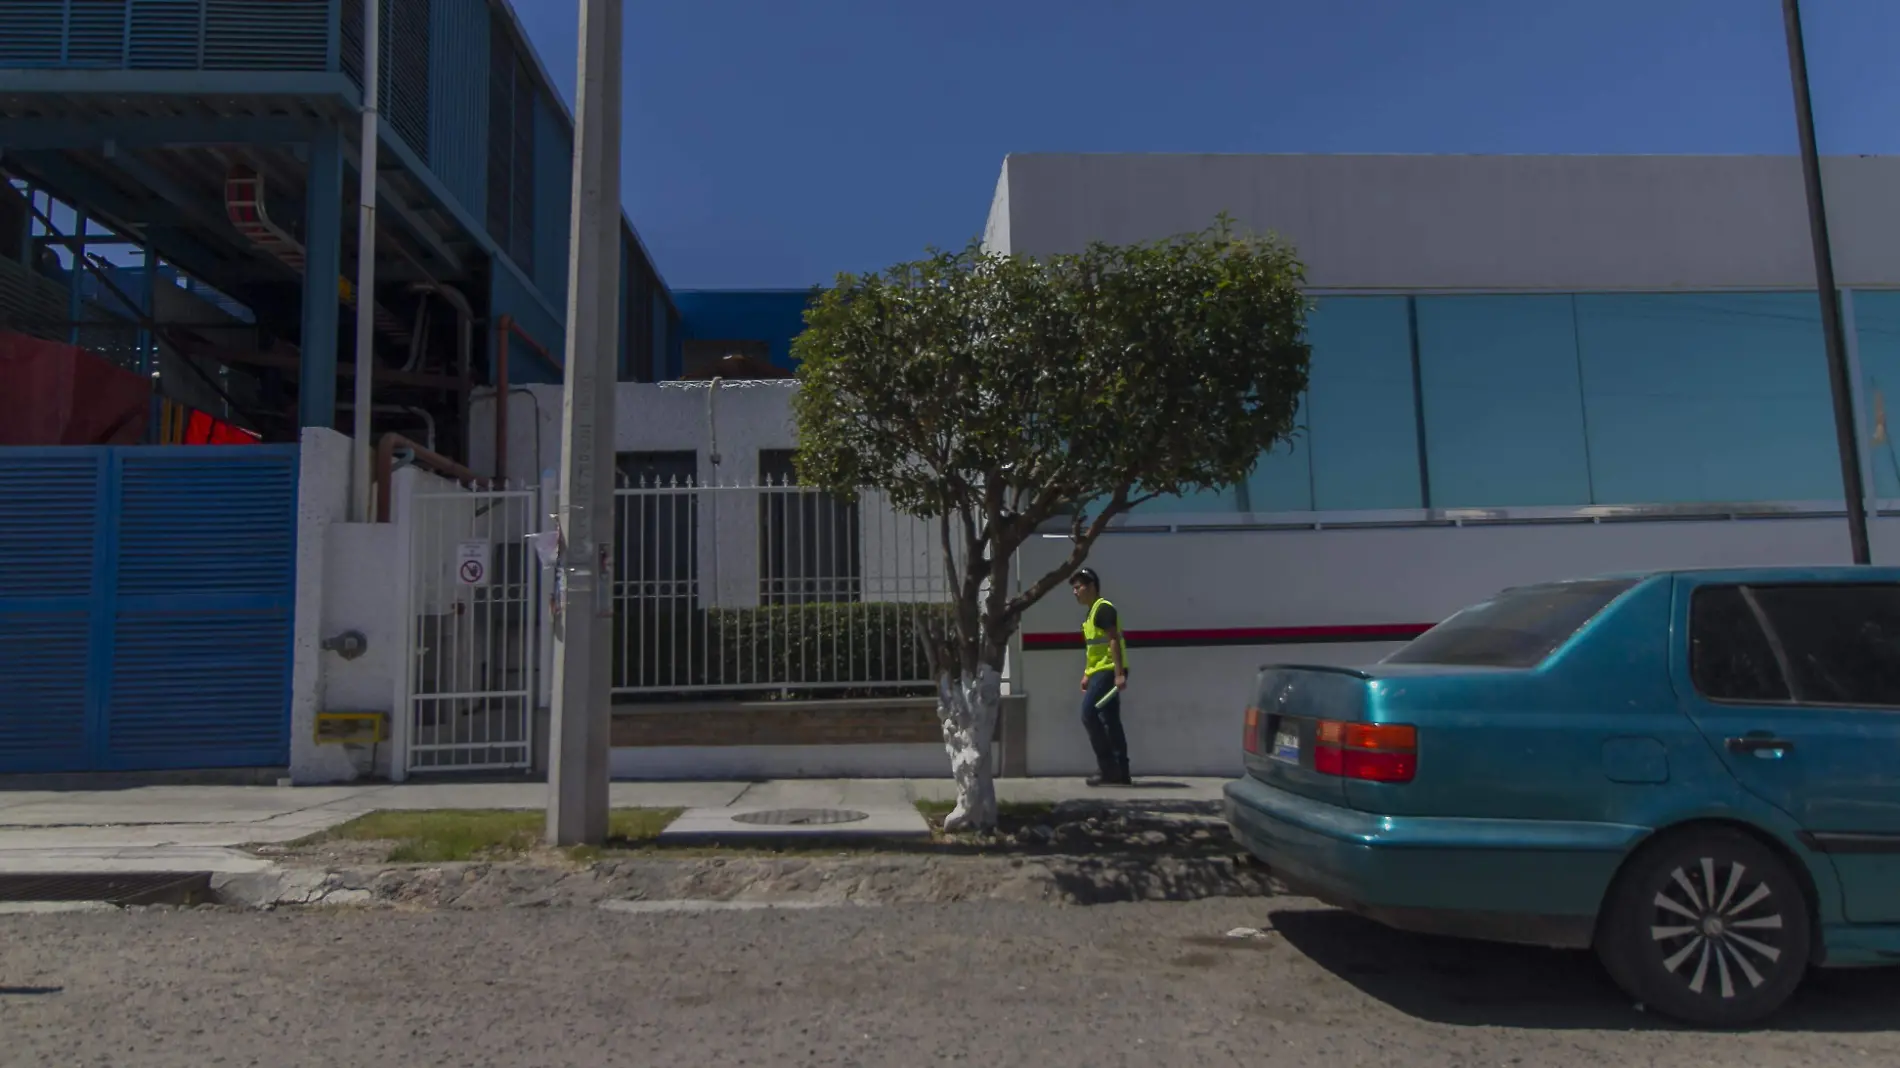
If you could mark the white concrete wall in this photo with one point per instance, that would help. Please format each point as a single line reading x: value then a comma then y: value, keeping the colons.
x: 323, y: 483
x: 1477, y: 222
x: 1184, y: 705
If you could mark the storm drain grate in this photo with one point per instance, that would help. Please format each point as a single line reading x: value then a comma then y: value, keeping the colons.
x: 801, y: 817
x: 119, y: 888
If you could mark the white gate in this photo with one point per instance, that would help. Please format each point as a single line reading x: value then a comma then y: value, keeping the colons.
x: 474, y: 611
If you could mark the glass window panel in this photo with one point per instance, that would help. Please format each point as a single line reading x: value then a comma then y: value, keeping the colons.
x: 1362, y: 423
x: 1283, y: 479
x: 1877, y: 329
x: 1503, y: 409
x: 1706, y: 397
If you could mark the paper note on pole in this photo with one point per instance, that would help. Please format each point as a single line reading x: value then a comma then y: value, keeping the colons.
x: 471, y: 563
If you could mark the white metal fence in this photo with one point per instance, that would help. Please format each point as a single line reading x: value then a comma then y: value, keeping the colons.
x: 744, y: 589
x: 474, y: 629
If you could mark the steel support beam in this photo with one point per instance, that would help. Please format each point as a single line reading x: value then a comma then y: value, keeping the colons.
x: 182, y: 131
x: 323, y: 260
x: 35, y: 81
x: 75, y: 289
x: 416, y: 225
x: 202, y: 213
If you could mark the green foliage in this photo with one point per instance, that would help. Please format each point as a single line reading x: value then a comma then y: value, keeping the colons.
x: 824, y: 644
x: 996, y: 392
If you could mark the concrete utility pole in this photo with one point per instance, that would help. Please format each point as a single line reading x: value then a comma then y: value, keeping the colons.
x: 583, y: 639
x: 362, y: 496
x: 1833, y: 336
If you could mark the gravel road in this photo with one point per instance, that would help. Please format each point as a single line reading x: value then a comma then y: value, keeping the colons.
x: 991, y: 984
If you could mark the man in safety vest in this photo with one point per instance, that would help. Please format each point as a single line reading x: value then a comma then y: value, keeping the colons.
x: 1104, y: 676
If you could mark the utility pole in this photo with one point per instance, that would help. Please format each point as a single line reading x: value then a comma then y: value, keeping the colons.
x: 362, y: 496
x: 583, y: 635
x: 1847, y: 438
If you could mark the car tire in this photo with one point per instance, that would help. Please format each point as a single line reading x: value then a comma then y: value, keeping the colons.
x: 1709, y: 927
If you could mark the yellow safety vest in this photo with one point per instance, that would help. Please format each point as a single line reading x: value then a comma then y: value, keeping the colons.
x: 1095, y: 641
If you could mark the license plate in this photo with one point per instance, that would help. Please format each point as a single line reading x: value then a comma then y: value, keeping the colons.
x: 1286, y: 744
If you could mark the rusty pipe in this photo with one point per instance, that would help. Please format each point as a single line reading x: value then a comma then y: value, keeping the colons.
x: 504, y: 327
x: 385, y: 468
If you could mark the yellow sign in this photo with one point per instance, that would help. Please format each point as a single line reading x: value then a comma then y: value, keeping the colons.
x: 351, y: 728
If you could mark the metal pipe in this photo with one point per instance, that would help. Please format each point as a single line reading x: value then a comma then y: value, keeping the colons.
x: 1846, y: 437
x: 385, y: 465
x: 360, y: 472
x: 506, y: 326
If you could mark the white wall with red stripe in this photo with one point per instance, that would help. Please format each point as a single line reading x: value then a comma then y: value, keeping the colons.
x: 1205, y: 608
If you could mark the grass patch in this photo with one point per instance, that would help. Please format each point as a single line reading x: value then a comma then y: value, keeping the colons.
x: 435, y: 836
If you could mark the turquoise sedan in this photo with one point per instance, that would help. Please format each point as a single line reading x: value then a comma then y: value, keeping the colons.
x: 1695, y: 773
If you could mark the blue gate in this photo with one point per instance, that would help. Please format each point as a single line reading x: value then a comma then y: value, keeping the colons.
x: 146, y: 602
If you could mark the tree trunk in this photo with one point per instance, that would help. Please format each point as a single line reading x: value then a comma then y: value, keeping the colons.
x: 968, y: 708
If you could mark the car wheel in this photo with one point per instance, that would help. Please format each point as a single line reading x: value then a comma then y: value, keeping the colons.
x: 1709, y: 927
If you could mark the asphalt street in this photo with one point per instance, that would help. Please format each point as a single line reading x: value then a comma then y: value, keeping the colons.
x: 980, y: 983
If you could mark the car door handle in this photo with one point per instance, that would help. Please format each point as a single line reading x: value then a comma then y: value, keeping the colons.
x: 1760, y: 744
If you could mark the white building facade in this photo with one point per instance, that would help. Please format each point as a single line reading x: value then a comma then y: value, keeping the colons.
x: 1524, y: 369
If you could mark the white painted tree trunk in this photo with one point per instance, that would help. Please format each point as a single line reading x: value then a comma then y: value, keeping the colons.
x: 968, y: 708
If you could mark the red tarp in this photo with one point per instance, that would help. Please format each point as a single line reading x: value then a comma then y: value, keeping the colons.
x: 57, y: 394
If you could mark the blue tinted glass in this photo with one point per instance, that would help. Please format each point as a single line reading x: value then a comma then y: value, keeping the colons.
x: 1877, y: 329
x: 1283, y: 480
x: 1222, y: 501
x: 1503, y: 410
x: 1706, y: 397
x: 1362, y: 424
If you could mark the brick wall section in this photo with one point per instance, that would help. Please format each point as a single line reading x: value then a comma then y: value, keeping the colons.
x: 872, y: 722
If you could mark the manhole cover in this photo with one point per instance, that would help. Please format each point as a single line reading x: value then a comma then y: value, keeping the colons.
x: 801, y: 817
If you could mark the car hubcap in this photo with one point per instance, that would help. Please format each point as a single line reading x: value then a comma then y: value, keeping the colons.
x: 1718, y: 926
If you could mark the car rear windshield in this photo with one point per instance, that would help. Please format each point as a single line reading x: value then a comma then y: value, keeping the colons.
x: 1516, y: 629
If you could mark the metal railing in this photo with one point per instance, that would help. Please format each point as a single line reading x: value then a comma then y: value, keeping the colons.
x: 474, y: 629
x: 750, y: 590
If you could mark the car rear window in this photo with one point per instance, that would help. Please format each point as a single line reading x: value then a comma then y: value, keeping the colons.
x: 1516, y: 629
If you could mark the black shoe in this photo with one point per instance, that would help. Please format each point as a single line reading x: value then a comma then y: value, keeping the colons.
x: 1101, y: 780
x: 1121, y: 779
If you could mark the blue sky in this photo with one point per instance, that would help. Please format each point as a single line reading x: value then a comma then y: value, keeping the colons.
x: 773, y: 143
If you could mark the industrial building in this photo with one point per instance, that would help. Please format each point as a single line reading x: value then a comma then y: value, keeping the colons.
x: 178, y: 244
x: 1523, y: 368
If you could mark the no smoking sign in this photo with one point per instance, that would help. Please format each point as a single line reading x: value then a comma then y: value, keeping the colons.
x: 471, y: 563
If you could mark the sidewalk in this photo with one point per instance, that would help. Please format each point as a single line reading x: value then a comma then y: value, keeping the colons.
x: 197, y: 828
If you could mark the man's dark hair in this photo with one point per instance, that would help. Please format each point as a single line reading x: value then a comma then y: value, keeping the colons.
x: 1086, y: 577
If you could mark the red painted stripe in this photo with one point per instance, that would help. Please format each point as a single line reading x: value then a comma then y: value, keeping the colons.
x: 1205, y: 636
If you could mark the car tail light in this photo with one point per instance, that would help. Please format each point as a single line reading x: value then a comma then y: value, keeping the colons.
x: 1374, y: 752
x: 1251, y: 740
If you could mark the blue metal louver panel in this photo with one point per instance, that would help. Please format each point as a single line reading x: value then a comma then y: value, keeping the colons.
x: 195, y: 689
x: 49, y: 504
x: 204, y: 600
x: 280, y: 35
x: 51, y: 515
x: 458, y: 100
x: 165, y: 35
x: 207, y: 522
x: 34, y: 34
x: 44, y: 676
x: 96, y: 32
x: 405, y: 73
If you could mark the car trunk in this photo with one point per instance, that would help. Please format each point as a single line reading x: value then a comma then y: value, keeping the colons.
x: 1292, y: 700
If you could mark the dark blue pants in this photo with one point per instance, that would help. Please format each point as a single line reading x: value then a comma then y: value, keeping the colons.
x: 1104, y: 725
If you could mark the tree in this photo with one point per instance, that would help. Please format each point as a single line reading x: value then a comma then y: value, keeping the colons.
x: 993, y: 394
